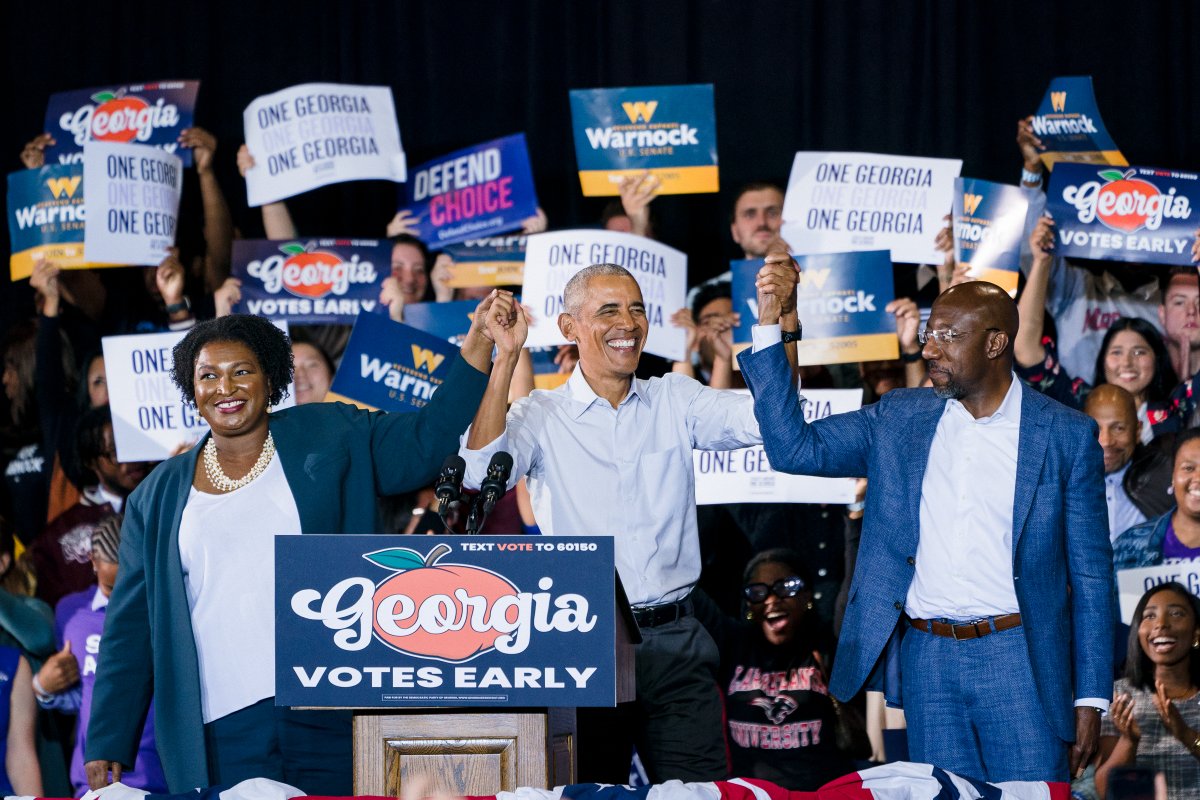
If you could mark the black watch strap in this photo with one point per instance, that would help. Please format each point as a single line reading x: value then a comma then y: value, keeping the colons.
x: 910, y: 358
x: 793, y: 336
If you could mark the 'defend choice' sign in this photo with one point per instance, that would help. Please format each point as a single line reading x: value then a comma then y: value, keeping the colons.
x: 399, y: 621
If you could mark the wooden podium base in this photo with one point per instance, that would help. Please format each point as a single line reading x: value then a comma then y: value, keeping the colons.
x: 463, y: 752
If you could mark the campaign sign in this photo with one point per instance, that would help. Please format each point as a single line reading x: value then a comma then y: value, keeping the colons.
x: 669, y: 130
x: 150, y: 419
x: 316, y: 134
x: 396, y: 621
x: 989, y: 224
x: 145, y: 113
x: 551, y: 259
x: 449, y: 321
x: 477, y: 191
x: 840, y: 202
x: 1136, y: 214
x: 745, y: 475
x: 133, y: 202
x: 840, y: 300
x: 389, y: 366
x: 319, y: 281
x: 1069, y: 125
x: 45, y: 218
x: 498, y: 261
x: 1133, y: 583
x: 546, y: 373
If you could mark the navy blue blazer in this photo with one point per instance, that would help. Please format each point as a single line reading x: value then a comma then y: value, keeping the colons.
x: 1062, y: 559
x: 337, y: 459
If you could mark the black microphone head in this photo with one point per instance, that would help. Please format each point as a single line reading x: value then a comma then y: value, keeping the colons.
x: 454, y: 465
x: 502, y: 464
x: 449, y: 480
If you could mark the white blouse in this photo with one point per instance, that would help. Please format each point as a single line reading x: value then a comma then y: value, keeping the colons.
x: 227, y: 549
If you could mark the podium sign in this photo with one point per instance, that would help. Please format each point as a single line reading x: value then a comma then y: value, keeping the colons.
x: 480, y: 621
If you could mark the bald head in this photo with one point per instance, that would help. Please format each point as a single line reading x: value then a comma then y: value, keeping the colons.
x: 990, y: 305
x: 1119, y: 430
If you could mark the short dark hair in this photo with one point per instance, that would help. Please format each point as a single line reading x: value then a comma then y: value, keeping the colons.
x: 707, y: 292
x: 1139, y: 669
x: 780, y: 555
x: 1164, y: 378
x: 269, y: 344
x: 1190, y: 435
x: 299, y: 337
x: 1167, y: 275
x: 89, y: 434
x: 752, y: 186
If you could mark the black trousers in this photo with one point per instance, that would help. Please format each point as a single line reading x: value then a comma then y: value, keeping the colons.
x: 676, y: 721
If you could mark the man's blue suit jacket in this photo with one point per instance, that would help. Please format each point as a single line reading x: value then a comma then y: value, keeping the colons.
x: 1062, y: 559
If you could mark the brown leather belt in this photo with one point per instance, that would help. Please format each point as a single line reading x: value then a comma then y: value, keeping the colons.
x: 967, y: 630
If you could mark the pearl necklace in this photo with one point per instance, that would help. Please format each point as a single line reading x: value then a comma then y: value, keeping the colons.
x: 217, y: 476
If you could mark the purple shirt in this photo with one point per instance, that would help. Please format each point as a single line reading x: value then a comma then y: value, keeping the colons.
x: 83, y: 630
x: 1173, y: 548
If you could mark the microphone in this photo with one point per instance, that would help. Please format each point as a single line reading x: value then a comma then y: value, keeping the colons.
x: 491, y: 489
x: 448, y: 487
x: 495, y: 484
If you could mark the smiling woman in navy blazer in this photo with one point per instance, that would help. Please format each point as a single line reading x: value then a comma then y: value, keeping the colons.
x: 191, y: 616
x: 985, y: 542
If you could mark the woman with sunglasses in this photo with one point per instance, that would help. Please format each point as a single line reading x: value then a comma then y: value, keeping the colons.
x: 779, y: 714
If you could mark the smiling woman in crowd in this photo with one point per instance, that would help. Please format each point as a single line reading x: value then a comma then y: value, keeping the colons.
x: 1175, y: 534
x: 191, y: 619
x: 781, y: 720
x: 1154, y: 720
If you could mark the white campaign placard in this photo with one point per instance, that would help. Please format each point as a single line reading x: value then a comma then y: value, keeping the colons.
x: 842, y: 202
x: 745, y: 475
x: 551, y: 259
x: 315, y: 134
x: 131, y: 203
x: 150, y: 419
x: 1133, y: 583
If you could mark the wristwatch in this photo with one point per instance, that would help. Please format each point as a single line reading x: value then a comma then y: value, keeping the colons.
x: 793, y: 336
x: 910, y: 358
x: 182, y: 305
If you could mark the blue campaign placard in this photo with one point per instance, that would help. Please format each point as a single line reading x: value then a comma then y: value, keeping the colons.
x: 989, y: 224
x: 1069, y: 125
x: 478, y: 191
x: 496, y: 261
x: 840, y: 299
x: 1139, y: 214
x: 46, y: 218
x: 449, y: 321
x: 145, y: 113
x: 311, y: 282
x: 390, y: 366
x: 669, y: 130
x: 401, y: 621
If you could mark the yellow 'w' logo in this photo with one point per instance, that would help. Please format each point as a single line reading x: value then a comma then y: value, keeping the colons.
x: 971, y: 202
x: 640, y: 109
x: 426, y: 358
x: 1058, y: 100
x: 60, y: 186
x: 814, y: 278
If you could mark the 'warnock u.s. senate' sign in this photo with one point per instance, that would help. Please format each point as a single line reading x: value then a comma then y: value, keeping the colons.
x: 394, y: 621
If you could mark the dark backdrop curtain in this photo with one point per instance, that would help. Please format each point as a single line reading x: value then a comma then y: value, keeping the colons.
x: 932, y: 78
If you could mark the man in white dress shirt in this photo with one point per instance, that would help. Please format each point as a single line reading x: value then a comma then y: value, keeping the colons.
x: 609, y: 454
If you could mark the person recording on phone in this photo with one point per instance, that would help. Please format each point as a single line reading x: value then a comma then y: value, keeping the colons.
x: 610, y: 454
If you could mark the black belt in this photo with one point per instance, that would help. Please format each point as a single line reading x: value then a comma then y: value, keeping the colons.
x: 653, y: 616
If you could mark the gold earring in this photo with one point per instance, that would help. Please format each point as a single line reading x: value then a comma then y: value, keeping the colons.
x: 749, y: 615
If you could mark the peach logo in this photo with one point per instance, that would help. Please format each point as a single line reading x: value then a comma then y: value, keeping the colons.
x: 307, y: 271
x: 119, y: 117
x: 1126, y: 203
x: 440, y: 611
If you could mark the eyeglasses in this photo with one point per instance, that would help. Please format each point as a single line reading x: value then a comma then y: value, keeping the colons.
x: 782, y: 588
x: 946, y: 335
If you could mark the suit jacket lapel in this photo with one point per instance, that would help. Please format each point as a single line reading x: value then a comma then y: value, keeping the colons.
x: 1031, y: 454
x: 922, y: 426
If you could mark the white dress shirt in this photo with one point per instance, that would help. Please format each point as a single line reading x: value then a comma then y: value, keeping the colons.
x: 627, y: 472
x: 964, y: 552
x: 1122, y: 513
